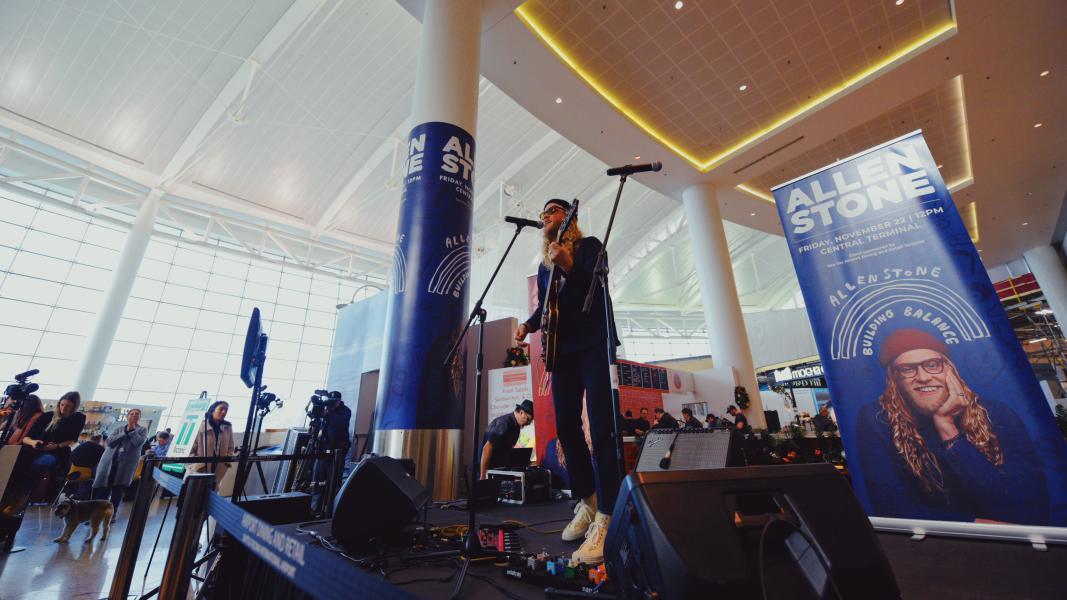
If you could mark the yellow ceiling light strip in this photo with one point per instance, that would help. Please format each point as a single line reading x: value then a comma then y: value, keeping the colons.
x: 705, y: 165
x: 751, y: 191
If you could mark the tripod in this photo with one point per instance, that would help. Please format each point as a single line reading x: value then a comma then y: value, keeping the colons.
x: 472, y: 548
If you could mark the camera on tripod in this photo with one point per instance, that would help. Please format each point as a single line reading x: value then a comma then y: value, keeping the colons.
x: 18, y: 391
x: 316, y: 406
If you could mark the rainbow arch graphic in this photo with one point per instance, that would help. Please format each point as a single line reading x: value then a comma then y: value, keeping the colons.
x: 864, y: 306
x: 454, y: 268
x: 400, y: 265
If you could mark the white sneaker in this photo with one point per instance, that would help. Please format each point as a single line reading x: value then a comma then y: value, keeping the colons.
x: 591, y: 552
x: 584, y: 513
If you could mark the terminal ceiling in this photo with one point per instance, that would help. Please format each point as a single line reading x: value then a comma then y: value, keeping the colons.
x: 287, y: 117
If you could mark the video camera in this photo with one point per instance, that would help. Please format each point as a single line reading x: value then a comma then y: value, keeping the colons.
x: 22, y: 388
x: 316, y: 406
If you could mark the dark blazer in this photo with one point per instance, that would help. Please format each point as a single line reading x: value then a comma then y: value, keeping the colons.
x: 577, y: 330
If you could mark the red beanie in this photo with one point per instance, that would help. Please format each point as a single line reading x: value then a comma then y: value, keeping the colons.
x: 903, y: 340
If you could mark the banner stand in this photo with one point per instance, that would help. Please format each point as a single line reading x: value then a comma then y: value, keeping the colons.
x: 1038, y: 537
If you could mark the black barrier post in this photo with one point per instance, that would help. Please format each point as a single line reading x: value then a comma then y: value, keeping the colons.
x: 183, y: 544
x: 131, y: 541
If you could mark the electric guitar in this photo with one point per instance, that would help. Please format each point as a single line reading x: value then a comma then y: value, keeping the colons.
x: 550, y: 308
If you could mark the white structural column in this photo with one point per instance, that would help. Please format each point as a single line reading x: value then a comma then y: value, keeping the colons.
x: 420, y: 406
x: 446, y: 82
x: 1045, y: 264
x: 107, y: 322
x: 722, y: 309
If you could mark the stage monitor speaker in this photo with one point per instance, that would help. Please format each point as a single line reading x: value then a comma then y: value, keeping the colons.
x: 692, y: 449
x: 697, y: 534
x: 375, y: 503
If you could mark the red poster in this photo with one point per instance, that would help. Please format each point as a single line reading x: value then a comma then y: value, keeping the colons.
x: 542, y: 396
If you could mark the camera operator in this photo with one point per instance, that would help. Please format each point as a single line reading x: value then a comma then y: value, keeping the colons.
x: 50, y: 438
x: 334, y: 437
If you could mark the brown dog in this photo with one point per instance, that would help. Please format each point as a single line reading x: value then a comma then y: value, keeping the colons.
x: 76, y: 512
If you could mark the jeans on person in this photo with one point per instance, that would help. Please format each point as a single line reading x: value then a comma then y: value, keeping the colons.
x: 113, y: 493
x: 577, y: 372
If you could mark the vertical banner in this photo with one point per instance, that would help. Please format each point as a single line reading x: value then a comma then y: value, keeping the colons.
x: 431, y: 268
x: 542, y: 387
x: 194, y: 416
x: 940, y: 412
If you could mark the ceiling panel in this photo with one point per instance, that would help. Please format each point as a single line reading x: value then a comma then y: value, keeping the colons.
x: 940, y: 113
x: 129, y: 77
x: 680, y: 72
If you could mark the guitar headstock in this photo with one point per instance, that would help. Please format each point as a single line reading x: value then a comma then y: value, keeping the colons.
x: 572, y: 214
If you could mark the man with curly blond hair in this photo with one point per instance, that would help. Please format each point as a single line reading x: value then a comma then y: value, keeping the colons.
x: 931, y: 448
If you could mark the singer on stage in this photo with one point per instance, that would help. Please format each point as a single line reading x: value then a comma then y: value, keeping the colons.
x: 581, y: 367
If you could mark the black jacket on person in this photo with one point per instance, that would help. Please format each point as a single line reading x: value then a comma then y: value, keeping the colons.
x: 87, y: 454
x: 67, y: 430
x: 577, y: 330
x: 666, y: 421
x: 692, y: 423
x: 335, y: 427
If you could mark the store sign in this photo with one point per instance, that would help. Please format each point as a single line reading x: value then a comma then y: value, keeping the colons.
x: 790, y: 373
x: 939, y: 409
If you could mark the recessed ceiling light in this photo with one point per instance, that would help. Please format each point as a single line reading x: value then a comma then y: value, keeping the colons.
x: 1045, y: 72
x: 939, y: 166
x: 559, y: 100
x: 678, y: 5
x: 899, y: 2
x: 1036, y: 125
x: 751, y: 214
x: 637, y: 157
x: 743, y: 87
x: 1025, y: 223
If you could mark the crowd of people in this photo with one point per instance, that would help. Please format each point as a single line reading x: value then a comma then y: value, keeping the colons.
x: 665, y: 420
x: 104, y: 465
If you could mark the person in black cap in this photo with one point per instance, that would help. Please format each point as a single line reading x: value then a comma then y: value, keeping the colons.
x: 501, y: 435
x: 581, y: 369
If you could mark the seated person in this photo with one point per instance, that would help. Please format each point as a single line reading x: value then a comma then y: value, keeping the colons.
x: 501, y: 435
x: 689, y: 421
x: 711, y: 421
x: 162, y: 445
x: 24, y: 419
x: 51, y: 439
x: 627, y: 426
x: 664, y: 420
x: 823, y: 422
x: 641, y: 424
x: 87, y: 454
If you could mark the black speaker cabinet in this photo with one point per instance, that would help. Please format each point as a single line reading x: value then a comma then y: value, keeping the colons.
x: 375, y: 503
x: 276, y: 509
x: 774, y: 424
x: 696, y: 534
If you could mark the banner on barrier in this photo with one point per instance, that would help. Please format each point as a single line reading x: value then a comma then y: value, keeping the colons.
x: 941, y: 415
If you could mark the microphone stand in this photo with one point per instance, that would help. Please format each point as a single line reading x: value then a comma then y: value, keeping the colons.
x: 600, y: 275
x: 243, y: 468
x: 472, y: 548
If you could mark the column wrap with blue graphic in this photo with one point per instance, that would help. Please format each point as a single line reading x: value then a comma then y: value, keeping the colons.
x: 941, y: 415
x: 428, y: 298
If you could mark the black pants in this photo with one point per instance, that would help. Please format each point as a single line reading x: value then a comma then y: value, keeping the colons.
x: 586, y: 372
x: 113, y: 493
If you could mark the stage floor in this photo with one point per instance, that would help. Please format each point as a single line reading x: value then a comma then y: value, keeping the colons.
x: 941, y: 568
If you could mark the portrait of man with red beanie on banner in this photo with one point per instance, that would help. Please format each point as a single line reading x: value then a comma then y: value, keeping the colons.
x: 933, y: 445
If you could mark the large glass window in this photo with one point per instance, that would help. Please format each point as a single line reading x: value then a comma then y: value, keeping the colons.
x: 183, y: 327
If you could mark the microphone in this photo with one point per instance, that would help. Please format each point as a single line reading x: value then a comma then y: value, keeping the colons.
x: 631, y: 169
x: 525, y: 222
x: 33, y: 372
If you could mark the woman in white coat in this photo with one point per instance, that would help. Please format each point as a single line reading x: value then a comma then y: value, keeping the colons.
x: 214, y: 438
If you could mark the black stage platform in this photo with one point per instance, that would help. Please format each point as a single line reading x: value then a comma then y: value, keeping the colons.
x: 941, y: 568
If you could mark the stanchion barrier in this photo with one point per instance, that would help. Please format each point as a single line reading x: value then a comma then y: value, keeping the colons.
x: 183, y: 544
x: 318, y: 572
x: 131, y: 541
